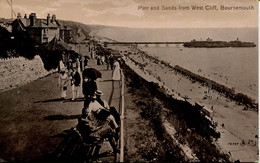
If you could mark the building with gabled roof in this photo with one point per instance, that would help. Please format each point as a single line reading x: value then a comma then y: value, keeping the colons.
x: 65, y: 34
x: 41, y: 30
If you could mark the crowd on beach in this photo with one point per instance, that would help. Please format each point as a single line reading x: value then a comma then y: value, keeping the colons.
x: 98, y: 120
x: 228, y: 92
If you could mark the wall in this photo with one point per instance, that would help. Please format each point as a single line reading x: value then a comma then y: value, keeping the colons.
x: 20, y: 71
x: 34, y: 33
x: 53, y: 32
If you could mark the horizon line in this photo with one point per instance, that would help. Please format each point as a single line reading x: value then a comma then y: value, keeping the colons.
x: 165, y: 27
x: 116, y: 26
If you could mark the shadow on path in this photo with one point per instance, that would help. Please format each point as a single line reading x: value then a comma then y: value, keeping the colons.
x: 76, y: 100
x: 60, y: 99
x: 61, y: 117
x: 61, y: 135
x: 105, y: 70
x: 112, y: 93
x: 108, y: 80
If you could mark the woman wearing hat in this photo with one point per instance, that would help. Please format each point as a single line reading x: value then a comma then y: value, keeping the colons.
x: 62, y: 82
x: 75, y: 82
x: 116, y: 71
x: 89, y: 88
x: 114, y: 116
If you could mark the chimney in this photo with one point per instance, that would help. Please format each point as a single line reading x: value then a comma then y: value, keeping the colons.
x: 48, y: 19
x: 53, y: 18
x: 25, y: 16
x: 18, y: 16
x: 32, y: 19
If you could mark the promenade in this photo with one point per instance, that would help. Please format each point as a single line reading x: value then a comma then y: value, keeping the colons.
x: 33, y: 118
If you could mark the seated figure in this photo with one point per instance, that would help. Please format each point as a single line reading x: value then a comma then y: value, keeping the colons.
x: 96, y: 123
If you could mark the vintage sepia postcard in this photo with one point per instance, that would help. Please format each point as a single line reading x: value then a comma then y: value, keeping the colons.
x: 129, y: 80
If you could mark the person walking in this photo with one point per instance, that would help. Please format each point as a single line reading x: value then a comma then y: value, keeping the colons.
x: 91, y: 54
x: 111, y: 61
x: 70, y: 65
x: 62, y: 82
x: 116, y: 72
x: 85, y: 61
x: 102, y: 59
x: 61, y: 65
x: 75, y: 83
x: 98, y: 60
x: 107, y: 61
x: 84, y: 79
x: 78, y: 64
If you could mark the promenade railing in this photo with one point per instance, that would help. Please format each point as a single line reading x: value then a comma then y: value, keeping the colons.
x: 122, y: 112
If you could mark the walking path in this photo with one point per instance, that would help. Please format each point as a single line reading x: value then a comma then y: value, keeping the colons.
x: 33, y: 117
x: 111, y: 90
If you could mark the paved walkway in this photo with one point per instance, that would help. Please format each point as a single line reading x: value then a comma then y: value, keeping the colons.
x: 33, y: 118
x: 111, y: 90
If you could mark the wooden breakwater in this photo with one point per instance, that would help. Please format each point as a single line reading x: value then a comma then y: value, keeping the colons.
x: 228, y: 92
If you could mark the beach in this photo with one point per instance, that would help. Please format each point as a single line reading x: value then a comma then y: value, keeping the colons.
x: 227, y: 113
x: 235, y: 68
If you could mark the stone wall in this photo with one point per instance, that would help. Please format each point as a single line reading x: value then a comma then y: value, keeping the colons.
x: 16, y: 72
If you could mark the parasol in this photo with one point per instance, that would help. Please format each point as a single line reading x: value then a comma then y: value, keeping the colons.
x: 92, y: 73
x: 85, y: 56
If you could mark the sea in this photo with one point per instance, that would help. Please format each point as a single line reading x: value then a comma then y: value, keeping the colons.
x: 234, y: 67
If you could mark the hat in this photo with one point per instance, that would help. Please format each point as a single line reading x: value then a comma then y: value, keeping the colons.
x: 62, y: 70
x: 98, y: 93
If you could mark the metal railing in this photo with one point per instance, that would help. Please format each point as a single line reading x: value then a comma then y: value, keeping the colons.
x: 122, y: 112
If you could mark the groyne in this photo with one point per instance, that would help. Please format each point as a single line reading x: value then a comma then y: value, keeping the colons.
x: 230, y: 93
x: 240, y: 98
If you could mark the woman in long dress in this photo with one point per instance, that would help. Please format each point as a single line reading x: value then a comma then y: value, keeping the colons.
x: 116, y: 71
x: 62, y: 81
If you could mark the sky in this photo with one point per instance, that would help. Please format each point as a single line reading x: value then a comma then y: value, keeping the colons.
x: 138, y: 13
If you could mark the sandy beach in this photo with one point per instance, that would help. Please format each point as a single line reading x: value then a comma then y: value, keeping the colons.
x: 230, y: 116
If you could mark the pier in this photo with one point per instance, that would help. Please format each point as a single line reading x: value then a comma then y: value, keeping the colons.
x: 145, y: 43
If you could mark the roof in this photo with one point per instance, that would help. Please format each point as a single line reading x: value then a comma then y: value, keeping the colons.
x: 17, y: 23
x: 58, y: 45
x: 40, y: 23
x: 66, y: 28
